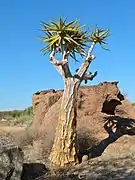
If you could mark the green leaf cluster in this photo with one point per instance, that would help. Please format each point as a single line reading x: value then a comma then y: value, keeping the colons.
x: 69, y: 36
x: 99, y: 35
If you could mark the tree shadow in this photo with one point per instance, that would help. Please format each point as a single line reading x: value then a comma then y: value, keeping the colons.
x: 85, y: 140
x: 116, y: 127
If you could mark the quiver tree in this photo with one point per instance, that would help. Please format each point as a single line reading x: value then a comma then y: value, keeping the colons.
x: 68, y: 39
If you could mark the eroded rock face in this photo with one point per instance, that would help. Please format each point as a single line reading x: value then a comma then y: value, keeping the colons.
x: 42, y: 101
x: 11, y: 160
x: 102, y: 112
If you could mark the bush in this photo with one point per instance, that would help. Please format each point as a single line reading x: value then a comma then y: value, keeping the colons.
x: 133, y: 104
x: 24, y: 119
x: 17, y: 117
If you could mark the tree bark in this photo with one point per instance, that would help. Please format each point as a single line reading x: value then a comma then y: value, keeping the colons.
x: 64, y: 148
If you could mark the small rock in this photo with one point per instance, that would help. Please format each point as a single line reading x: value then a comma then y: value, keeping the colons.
x: 85, y: 158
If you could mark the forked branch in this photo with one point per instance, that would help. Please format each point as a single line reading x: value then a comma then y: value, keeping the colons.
x: 61, y: 66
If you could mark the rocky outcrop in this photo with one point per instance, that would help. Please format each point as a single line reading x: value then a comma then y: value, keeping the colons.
x: 103, y: 112
x: 42, y: 101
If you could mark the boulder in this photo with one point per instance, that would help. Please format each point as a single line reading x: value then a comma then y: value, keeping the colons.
x: 11, y: 160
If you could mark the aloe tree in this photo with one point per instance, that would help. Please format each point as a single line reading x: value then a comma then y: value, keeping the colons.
x: 68, y: 39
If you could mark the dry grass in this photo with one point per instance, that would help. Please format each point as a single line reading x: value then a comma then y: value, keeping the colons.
x: 115, y: 163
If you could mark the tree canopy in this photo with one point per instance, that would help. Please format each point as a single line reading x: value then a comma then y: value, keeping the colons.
x: 62, y: 36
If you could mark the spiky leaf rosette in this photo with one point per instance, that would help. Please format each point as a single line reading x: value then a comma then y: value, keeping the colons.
x: 99, y: 35
x: 64, y: 35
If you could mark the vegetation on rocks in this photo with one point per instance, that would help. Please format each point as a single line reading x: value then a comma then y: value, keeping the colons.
x: 17, y: 117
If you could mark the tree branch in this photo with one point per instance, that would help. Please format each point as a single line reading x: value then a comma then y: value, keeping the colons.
x: 53, y: 59
x: 91, y: 49
x: 89, y: 76
x: 55, y: 63
x: 65, y: 66
x: 85, y: 65
x: 61, y: 66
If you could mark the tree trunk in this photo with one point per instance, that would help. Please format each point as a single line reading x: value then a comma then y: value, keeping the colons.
x: 64, y: 148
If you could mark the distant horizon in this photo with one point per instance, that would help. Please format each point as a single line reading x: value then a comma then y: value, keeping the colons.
x: 21, y: 109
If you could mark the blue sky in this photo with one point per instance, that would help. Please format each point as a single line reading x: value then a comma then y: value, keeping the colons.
x: 23, y: 70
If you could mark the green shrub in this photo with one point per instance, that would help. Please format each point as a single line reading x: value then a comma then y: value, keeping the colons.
x: 133, y: 104
x: 24, y: 120
x: 17, y: 117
